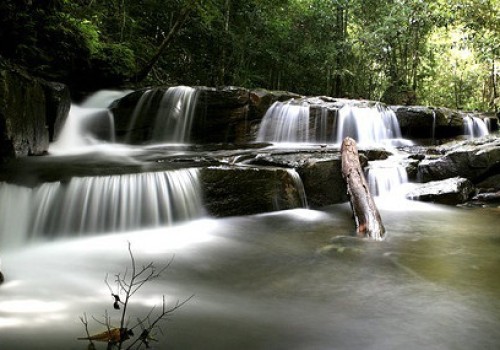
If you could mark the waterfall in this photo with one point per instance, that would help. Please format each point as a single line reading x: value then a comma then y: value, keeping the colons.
x: 285, y: 122
x: 385, y: 176
x: 173, y: 112
x: 175, y: 115
x: 299, y: 185
x: 367, y: 124
x: 100, y: 204
x: 84, y: 127
x: 88, y: 125
x: 475, y: 127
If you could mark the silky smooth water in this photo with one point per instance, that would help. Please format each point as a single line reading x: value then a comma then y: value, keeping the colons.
x: 288, y: 280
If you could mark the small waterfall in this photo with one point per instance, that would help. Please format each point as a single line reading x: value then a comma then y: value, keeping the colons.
x: 173, y: 112
x: 89, y: 124
x: 84, y: 127
x: 433, y: 131
x: 175, y: 115
x: 290, y: 122
x: 385, y: 176
x: 285, y: 122
x: 100, y: 204
x: 299, y: 185
x: 475, y: 127
x: 367, y: 125
x: 487, y: 122
x: 103, y: 98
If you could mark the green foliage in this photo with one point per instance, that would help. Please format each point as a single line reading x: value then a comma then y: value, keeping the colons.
x: 349, y: 48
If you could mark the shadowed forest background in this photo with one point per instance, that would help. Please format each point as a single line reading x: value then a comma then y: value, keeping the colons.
x: 441, y: 53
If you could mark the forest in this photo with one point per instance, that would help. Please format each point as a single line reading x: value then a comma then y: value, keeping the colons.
x: 429, y: 52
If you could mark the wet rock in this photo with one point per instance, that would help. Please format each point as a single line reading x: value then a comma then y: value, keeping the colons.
x: 420, y: 122
x: 487, y: 197
x: 450, y: 191
x: 473, y: 159
x: 320, y: 173
x: 233, y: 190
x: 222, y: 115
x: 32, y: 112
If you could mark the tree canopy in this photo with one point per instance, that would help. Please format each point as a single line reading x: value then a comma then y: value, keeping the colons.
x: 436, y: 52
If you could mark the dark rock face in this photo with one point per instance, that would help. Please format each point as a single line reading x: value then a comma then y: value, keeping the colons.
x: 450, y: 191
x: 32, y: 112
x: 244, y: 191
x: 472, y: 159
x: 419, y: 122
x: 320, y: 174
x: 222, y: 115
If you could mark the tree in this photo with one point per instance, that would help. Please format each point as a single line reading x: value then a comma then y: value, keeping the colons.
x: 127, y: 285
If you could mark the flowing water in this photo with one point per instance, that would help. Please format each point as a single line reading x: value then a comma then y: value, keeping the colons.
x: 288, y: 280
x: 290, y: 122
x: 294, y: 279
x: 475, y: 127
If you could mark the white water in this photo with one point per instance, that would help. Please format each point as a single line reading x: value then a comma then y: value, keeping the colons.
x: 289, y: 122
x: 288, y: 280
x: 367, y: 125
x: 386, y: 177
x: 285, y: 122
x: 173, y: 113
x: 98, y: 204
x: 475, y: 127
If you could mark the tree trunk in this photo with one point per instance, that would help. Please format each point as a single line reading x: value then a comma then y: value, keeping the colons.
x: 366, y: 215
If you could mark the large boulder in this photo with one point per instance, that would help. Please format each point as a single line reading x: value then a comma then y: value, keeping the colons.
x: 233, y: 190
x: 472, y: 159
x: 32, y: 112
x: 321, y: 174
x: 420, y: 122
x: 450, y: 191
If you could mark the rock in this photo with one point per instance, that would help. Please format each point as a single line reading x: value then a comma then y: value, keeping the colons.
x: 232, y: 190
x: 420, y: 122
x: 487, y: 197
x: 471, y: 159
x: 222, y: 115
x: 32, y: 112
x: 450, y: 191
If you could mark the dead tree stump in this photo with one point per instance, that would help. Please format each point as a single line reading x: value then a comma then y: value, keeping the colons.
x: 366, y: 215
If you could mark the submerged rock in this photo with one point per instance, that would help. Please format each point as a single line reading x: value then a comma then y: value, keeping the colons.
x: 450, y: 191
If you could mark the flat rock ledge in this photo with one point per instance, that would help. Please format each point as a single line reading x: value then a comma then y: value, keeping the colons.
x: 451, y: 191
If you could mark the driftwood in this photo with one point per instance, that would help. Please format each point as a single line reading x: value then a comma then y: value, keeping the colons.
x: 366, y: 215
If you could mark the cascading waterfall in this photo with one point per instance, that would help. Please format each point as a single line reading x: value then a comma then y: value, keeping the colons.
x: 100, y: 204
x: 175, y: 115
x: 285, y: 122
x: 89, y: 124
x: 475, y: 127
x: 289, y: 122
x: 367, y: 124
x: 386, y: 176
x: 173, y: 112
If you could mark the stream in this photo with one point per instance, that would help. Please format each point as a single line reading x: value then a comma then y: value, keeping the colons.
x: 292, y: 279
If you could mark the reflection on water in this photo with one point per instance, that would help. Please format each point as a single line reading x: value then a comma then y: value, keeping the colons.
x: 287, y: 280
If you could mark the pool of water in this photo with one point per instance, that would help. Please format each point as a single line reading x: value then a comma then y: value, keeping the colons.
x: 287, y: 280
